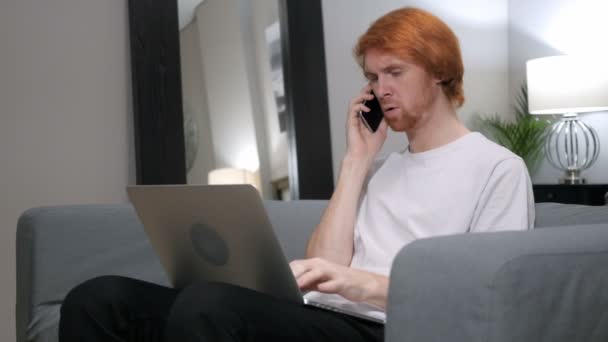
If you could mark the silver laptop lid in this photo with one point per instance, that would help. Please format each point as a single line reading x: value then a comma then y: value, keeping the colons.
x: 214, y: 233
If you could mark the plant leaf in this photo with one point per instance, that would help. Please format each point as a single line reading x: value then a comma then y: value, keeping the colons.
x: 525, y: 136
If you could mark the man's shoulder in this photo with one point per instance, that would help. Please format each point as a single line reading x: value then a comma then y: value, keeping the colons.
x: 487, y: 150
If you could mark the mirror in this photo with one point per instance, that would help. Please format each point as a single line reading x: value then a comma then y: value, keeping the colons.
x: 233, y: 94
x: 208, y: 95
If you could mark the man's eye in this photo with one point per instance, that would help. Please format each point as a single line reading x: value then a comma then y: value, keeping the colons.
x: 396, y: 73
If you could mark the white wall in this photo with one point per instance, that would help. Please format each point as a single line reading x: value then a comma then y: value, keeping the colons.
x: 65, y: 115
x: 555, y: 27
x: 231, y: 87
x: 225, y: 73
x: 195, y: 106
x: 480, y: 25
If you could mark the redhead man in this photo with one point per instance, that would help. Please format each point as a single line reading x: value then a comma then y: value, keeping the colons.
x: 447, y: 181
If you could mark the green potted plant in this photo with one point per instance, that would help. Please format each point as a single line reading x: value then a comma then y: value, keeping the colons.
x: 524, y: 135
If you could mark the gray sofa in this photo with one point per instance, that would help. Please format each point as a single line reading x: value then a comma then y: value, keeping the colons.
x: 548, y: 284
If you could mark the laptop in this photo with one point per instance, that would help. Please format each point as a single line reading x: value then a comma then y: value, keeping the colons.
x: 218, y: 233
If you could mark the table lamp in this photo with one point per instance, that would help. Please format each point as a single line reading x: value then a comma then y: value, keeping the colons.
x: 568, y: 85
x: 234, y: 176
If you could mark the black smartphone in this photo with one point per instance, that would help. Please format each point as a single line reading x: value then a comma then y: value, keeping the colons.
x: 372, y: 118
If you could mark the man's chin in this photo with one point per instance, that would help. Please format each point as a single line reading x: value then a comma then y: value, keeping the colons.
x: 401, y: 125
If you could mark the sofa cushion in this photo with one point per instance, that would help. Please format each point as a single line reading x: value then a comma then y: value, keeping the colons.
x: 559, y: 214
x: 59, y: 247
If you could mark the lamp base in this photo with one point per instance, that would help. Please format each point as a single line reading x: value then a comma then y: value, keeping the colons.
x: 572, y: 146
x: 572, y: 177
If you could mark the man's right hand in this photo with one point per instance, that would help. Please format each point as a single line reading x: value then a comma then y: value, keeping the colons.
x: 363, y: 145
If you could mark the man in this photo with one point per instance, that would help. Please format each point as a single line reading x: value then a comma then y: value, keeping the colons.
x: 447, y: 181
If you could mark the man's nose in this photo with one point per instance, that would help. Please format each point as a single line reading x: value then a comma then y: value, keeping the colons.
x: 382, y: 88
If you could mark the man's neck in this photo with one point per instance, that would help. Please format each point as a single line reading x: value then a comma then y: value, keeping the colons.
x: 438, y: 126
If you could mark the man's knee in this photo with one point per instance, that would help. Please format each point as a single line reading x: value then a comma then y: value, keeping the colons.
x: 204, y: 297
x: 206, y: 309
x: 93, y: 293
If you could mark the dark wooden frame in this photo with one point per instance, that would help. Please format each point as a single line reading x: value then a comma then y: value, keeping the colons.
x: 157, y: 97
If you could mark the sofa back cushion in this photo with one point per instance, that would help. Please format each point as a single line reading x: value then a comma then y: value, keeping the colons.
x: 60, y: 247
x: 558, y: 214
x: 294, y: 222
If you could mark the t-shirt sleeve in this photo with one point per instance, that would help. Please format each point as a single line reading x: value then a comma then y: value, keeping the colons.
x: 507, y: 201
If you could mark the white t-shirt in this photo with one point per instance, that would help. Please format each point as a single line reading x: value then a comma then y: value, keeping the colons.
x: 468, y: 185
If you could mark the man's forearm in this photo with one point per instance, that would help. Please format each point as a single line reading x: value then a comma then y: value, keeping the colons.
x: 333, y: 237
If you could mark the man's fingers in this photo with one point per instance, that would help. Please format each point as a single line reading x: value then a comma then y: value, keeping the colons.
x: 366, y: 89
x: 309, y: 279
x: 316, y: 275
x: 330, y: 286
x: 383, y: 126
x: 361, y: 98
x: 298, y: 267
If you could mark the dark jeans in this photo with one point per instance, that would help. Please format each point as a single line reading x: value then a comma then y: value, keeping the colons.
x: 113, y: 308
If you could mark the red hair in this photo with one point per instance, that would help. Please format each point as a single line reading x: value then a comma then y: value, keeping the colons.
x: 419, y: 37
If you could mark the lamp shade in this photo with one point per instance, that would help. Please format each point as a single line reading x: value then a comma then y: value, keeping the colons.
x: 566, y: 84
x: 234, y: 176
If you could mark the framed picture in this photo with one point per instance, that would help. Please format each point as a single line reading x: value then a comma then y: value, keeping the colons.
x: 273, y: 40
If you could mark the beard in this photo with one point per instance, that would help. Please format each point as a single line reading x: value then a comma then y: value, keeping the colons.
x: 405, y: 121
x: 409, y: 118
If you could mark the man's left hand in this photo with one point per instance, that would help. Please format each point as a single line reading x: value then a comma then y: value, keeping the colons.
x: 320, y: 275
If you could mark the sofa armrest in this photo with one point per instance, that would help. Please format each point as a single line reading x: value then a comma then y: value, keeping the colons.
x: 540, y: 285
x: 60, y: 247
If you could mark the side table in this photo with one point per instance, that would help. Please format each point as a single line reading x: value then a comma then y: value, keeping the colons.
x: 588, y: 194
